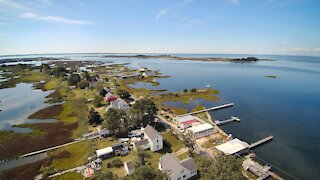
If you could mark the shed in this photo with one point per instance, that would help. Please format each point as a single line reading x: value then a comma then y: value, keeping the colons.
x: 105, y: 152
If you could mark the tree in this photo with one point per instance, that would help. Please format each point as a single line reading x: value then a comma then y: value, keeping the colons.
x: 141, y: 157
x: 114, y: 120
x: 146, y: 173
x: 94, y: 117
x: 74, y: 79
x: 222, y: 168
x: 143, y: 112
x: 102, y: 92
x: 185, y: 90
x: 193, y: 90
x: 59, y: 72
x: 123, y: 93
x: 87, y: 76
x: 97, y: 101
x: 83, y: 84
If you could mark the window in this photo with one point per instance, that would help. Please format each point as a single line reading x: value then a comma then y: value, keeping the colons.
x: 157, y: 141
x: 184, y: 176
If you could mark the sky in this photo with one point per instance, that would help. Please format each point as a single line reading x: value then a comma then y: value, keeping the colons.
x: 160, y: 26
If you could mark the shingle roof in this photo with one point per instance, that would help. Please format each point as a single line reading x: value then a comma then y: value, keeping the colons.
x: 141, y: 142
x: 189, y: 164
x: 171, y: 165
x: 151, y: 132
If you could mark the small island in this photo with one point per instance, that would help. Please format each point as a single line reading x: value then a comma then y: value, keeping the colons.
x: 214, y: 59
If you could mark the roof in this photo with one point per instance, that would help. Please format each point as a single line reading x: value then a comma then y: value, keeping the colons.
x: 201, y: 127
x: 173, y: 166
x: 150, y: 73
x: 189, y: 164
x: 116, y: 103
x: 189, y: 122
x: 118, y: 146
x: 233, y: 146
x: 104, y: 151
x: 141, y: 142
x: 151, y: 132
x: 185, y: 118
x: 109, y: 94
x: 130, y: 165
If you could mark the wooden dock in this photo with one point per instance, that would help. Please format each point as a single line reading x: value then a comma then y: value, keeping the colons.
x: 262, y: 141
x: 232, y: 119
x: 209, y: 109
x: 48, y: 149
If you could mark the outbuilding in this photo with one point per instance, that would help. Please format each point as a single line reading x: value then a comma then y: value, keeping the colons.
x: 105, y: 152
x: 234, y: 146
x: 201, y: 130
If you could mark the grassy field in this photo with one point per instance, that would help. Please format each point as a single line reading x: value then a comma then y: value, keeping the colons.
x: 105, y: 142
x: 52, y: 83
x: 47, y: 113
x: 69, y: 176
x: 187, y: 97
x: 79, y: 153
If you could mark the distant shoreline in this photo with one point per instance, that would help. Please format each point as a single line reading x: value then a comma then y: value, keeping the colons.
x: 206, y: 59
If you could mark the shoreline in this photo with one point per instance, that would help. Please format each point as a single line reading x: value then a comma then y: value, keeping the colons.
x: 205, y: 59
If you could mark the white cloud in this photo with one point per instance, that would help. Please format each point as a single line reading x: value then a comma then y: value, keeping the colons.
x: 316, y: 49
x: 161, y: 13
x: 10, y: 4
x: 53, y: 19
x: 300, y: 49
x: 235, y: 1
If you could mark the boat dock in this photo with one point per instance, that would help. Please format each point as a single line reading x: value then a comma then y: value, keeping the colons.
x: 232, y: 119
x: 262, y: 141
x: 209, y: 109
x: 48, y: 149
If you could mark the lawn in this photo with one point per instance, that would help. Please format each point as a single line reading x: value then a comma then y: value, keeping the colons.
x: 52, y: 84
x: 119, y: 171
x: 69, y: 176
x: 79, y: 153
x: 183, y: 156
x: 187, y: 97
x: 104, y: 142
x: 176, y: 143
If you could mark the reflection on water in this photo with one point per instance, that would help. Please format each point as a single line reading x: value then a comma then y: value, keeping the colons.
x: 18, y: 103
x: 22, y: 161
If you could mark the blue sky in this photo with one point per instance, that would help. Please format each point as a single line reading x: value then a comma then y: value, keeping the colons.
x: 166, y: 26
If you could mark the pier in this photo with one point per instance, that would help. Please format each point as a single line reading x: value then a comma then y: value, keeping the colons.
x: 48, y: 149
x: 232, y: 119
x: 209, y: 109
x: 262, y: 141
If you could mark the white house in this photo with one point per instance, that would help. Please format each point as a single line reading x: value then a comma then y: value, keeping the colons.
x: 152, y: 139
x: 176, y: 169
x: 119, y: 104
x: 201, y: 130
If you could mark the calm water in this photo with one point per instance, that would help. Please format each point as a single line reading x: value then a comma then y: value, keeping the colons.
x: 287, y: 107
x: 16, y: 105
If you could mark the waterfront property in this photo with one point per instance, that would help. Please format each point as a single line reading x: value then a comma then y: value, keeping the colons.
x: 201, y: 130
x: 176, y: 169
x: 262, y: 172
x: 187, y: 121
x: 234, y: 146
x: 148, y: 74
